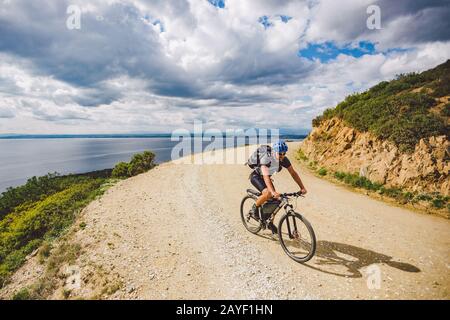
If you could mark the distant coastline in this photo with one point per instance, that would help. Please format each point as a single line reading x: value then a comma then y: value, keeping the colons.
x: 112, y: 136
x: 83, y: 136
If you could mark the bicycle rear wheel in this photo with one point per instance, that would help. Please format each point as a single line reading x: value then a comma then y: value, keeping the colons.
x: 297, y: 237
x: 251, y: 223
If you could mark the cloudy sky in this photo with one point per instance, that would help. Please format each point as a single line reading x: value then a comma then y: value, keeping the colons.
x: 154, y: 66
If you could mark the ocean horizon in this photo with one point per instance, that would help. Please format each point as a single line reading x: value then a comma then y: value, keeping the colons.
x: 118, y: 135
x: 25, y: 156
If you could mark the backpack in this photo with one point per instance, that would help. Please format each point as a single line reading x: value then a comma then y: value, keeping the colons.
x: 254, y: 160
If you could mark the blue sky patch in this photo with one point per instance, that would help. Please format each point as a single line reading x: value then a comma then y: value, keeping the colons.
x: 285, y: 18
x: 397, y: 50
x: 217, y: 3
x: 264, y: 20
x: 149, y: 19
x: 161, y: 25
x: 329, y: 51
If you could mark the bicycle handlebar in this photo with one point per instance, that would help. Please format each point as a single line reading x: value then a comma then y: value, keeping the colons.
x: 293, y: 194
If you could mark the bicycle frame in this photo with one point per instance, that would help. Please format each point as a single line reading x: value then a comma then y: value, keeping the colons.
x: 283, y: 203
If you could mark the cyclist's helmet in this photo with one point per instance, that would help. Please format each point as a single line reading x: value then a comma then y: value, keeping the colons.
x: 280, y: 147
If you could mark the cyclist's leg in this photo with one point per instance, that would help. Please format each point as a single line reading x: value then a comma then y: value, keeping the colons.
x: 265, y: 195
x: 258, y: 182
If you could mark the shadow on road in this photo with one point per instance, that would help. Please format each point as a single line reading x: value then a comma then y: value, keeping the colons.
x: 332, y: 256
x: 345, y: 260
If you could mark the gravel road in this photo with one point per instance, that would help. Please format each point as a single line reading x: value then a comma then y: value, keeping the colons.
x: 175, y: 232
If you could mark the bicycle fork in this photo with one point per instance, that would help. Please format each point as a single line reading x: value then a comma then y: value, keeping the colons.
x: 293, y: 234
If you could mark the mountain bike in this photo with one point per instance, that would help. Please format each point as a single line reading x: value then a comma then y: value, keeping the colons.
x: 296, y: 234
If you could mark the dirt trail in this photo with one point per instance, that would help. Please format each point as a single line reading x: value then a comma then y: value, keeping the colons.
x: 175, y: 232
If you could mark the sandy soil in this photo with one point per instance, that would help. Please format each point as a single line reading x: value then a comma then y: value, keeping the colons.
x: 175, y: 232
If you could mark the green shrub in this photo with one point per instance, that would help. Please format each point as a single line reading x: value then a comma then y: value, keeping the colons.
x: 442, y: 86
x: 424, y: 197
x: 317, y: 121
x: 435, y: 199
x: 407, y: 132
x: 141, y: 162
x: 339, y: 175
x: 301, y: 155
x: 391, y: 192
x: 408, y: 195
x: 38, y: 188
x: 322, y: 171
x: 121, y: 170
x: 438, y: 203
x: 312, y: 165
x: 445, y: 112
x: 357, y: 181
x: 44, y: 251
x: 376, y: 186
x: 22, y: 294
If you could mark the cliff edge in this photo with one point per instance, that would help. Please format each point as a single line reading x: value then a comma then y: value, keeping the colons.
x: 341, y: 148
x: 395, y: 134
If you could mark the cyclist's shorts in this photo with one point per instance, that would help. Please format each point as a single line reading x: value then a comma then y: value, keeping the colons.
x: 257, y: 181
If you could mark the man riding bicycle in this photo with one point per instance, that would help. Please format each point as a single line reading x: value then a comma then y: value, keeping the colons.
x: 266, y: 161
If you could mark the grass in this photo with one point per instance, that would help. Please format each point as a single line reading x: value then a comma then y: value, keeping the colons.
x: 301, y: 155
x: 312, y: 165
x: 22, y: 294
x: 65, y: 254
x: 357, y: 181
x: 353, y: 179
x: 434, y: 200
x: 44, y: 251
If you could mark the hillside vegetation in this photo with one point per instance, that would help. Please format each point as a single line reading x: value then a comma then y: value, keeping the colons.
x: 41, y: 210
x: 404, y: 110
x: 392, y: 139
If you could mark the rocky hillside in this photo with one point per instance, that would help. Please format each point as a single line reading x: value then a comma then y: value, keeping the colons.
x: 395, y: 134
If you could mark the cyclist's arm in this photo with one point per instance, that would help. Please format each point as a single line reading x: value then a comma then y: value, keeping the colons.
x: 296, y: 177
x: 266, y: 176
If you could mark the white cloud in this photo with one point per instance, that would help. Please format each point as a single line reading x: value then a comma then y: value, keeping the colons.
x: 158, y: 65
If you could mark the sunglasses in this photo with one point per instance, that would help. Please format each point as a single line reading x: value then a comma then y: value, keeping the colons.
x: 282, y: 154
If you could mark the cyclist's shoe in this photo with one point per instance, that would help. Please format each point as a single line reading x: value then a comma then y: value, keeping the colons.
x: 272, y: 227
x: 254, y: 212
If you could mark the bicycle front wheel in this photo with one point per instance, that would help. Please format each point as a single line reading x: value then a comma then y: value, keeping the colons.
x: 297, y: 237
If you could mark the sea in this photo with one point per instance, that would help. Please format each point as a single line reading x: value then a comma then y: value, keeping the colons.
x: 25, y: 156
